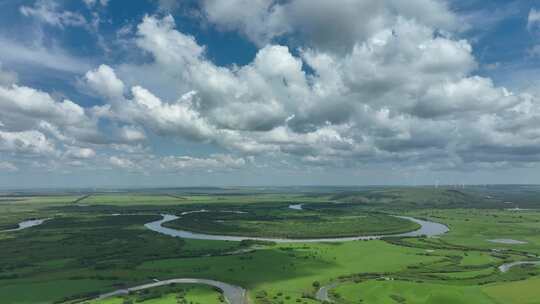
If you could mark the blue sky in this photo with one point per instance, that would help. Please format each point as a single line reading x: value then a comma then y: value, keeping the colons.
x: 263, y: 92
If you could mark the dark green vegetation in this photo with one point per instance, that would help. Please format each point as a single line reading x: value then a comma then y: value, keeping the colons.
x: 316, y: 221
x: 84, y: 250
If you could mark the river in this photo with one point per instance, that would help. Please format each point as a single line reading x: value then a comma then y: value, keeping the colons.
x: 508, y: 266
x: 427, y: 228
x: 26, y: 224
x: 233, y: 294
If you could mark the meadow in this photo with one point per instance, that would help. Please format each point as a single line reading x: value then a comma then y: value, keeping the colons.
x: 287, y: 223
x: 94, y: 243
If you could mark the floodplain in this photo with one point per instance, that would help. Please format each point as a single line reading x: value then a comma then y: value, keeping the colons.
x: 91, y: 244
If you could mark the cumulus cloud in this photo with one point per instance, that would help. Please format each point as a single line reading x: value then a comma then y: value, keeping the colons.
x: 26, y: 142
x: 131, y: 134
x: 401, y: 91
x: 382, y: 82
x: 103, y: 81
x: 25, y: 108
x: 159, y: 37
x: 254, y: 94
x: 33, y: 124
x: 475, y: 95
x: 21, y: 100
x: 79, y: 153
x: 323, y: 24
x: 178, y: 118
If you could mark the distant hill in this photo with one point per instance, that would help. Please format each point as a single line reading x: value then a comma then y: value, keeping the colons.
x: 417, y: 197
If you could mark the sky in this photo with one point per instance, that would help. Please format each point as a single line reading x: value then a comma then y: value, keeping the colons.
x: 110, y: 93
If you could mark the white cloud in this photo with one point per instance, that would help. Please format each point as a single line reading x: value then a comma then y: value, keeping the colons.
x: 255, y: 89
x: 91, y: 3
x: 214, y: 162
x: 403, y: 91
x: 259, y: 20
x: 395, y: 86
x: 26, y: 142
x: 131, y: 134
x: 158, y: 37
x: 7, y: 167
x: 533, y: 21
x: 175, y: 119
x: 79, y: 153
x: 323, y: 24
x: 103, y: 81
x: 25, y: 108
x: 35, y: 123
x: 475, y: 94
x: 36, y: 55
x: 122, y: 163
x: 48, y: 11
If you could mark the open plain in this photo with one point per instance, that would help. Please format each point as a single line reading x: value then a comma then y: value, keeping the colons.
x: 97, y: 243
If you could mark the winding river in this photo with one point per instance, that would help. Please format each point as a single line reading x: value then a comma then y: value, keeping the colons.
x: 427, y: 228
x: 322, y: 293
x: 233, y: 294
x: 26, y: 224
x: 508, y: 266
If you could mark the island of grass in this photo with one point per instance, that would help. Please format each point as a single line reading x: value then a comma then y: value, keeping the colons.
x: 305, y: 225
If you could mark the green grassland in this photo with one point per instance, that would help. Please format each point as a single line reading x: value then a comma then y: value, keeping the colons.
x: 391, y: 292
x: 85, y: 250
x: 520, y: 292
x: 14, y: 209
x: 293, y: 268
x: 131, y: 199
x: 475, y: 227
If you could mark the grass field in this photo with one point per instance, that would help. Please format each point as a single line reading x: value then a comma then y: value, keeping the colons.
x: 87, y: 248
x: 391, y: 292
x: 521, y: 292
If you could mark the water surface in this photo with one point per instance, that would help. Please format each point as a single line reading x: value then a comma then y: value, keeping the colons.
x: 427, y: 228
x: 26, y: 224
x: 507, y: 241
x: 233, y: 294
x: 296, y: 206
x: 508, y: 266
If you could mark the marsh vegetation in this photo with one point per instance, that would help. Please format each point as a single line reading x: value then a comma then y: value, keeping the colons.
x: 98, y: 244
